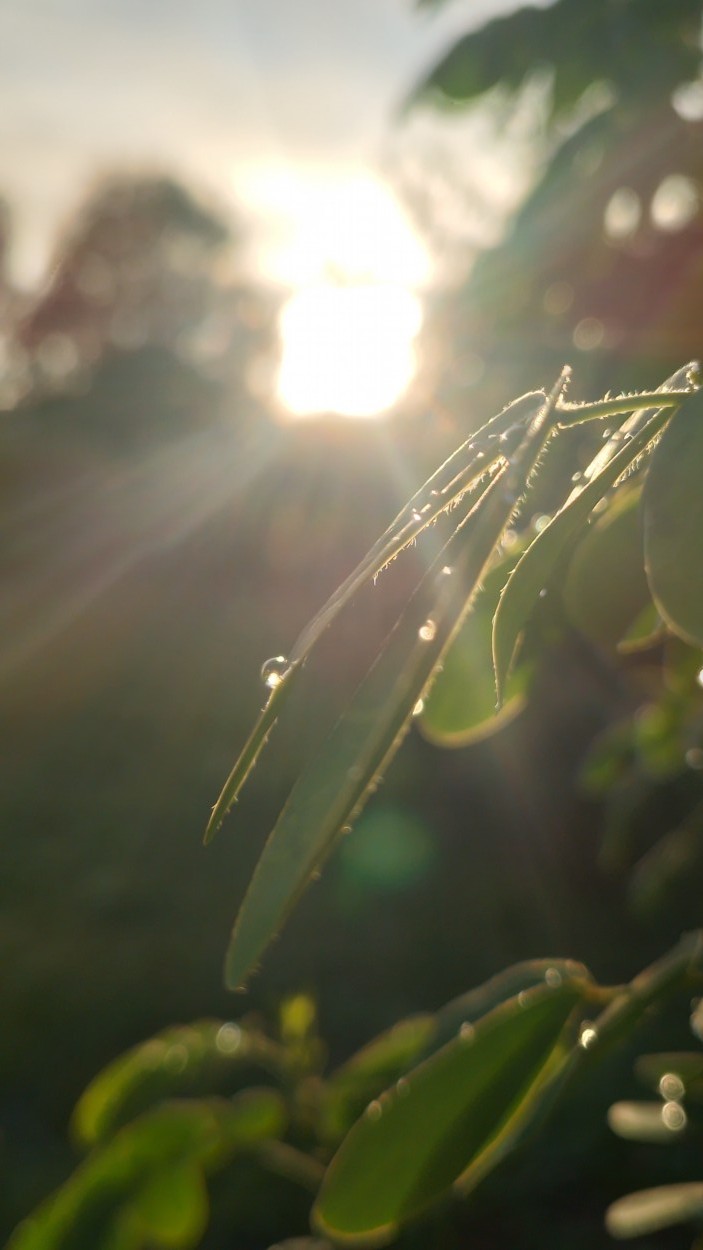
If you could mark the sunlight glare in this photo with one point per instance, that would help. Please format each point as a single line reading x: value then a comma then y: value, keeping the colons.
x: 347, y: 349
x: 343, y: 245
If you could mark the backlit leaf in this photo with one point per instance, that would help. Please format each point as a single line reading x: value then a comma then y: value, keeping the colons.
x: 461, y: 707
x: 444, y: 1119
x: 537, y: 566
x: 673, y: 522
x: 605, y: 588
x: 332, y: 790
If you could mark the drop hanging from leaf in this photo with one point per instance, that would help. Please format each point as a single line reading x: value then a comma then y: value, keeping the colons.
x: 273, y: 671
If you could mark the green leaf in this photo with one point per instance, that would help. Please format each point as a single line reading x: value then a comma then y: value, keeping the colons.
x: 377, y: 1065
x: 645, y: 631
x: 445, y: 1120
x: 673, y: 523
x: 470, y: 1007
x: 578, y: 43
x: 652, y: 1209
x: 506, y: 50
x: 537, y: 566
x: 99, y: 1204
x: 462, y: 472
x: 461, y: 707
x: 197, y: 1059
x: 385, y: 1058
x: 332, y: 790
x: 605, y: 589
x: 252, y: 748
x: 95, y: 1202
x: 172, y: 1207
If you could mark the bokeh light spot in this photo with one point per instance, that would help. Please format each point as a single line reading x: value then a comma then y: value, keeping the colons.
x: 623, y: 214
x: 675, y: 203
x: 390, y: 850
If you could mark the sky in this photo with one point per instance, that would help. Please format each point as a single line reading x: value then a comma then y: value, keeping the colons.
x: 220, y: 92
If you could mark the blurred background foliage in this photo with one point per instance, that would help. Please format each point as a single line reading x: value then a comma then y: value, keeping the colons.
x: 165, y: 529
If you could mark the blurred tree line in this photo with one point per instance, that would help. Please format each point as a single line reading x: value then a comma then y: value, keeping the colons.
x: 164, y: 534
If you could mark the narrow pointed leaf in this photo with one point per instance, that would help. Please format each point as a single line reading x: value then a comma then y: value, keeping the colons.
x: 415, y: 1142
x: 252, y: 749
x: 460, y: 473
x: 673, y: 523
x: 534, y: 570
x: 331, y: 791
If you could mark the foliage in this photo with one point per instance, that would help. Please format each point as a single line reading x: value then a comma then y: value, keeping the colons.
x: 602, y: 255
x: 439, y: 1102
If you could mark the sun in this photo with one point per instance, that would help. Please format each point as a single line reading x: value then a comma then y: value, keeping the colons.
x: 342, y: 245
x: 347, y: 349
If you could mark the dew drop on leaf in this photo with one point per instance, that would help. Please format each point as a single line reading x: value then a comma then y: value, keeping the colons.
x: 273, y: 671
x: 588, y: 1035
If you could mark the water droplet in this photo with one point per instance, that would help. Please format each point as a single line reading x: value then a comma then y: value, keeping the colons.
x: 273, y: 671
x: 671, y: 1087
x: 540, y: 522
x: 446, y: 571
x: 416, y: 515
x: 427, y: 631
x: 435, y: 494
x: 694, y: 758
x: 228, y: 1039
x: 606, y: 434
x: 553, y: 978
x: 480, y: 455
x: 699, y: 677
x: 523, y: 998
x: 467, y: 1031
x: 543, y: 593
x: 402, y: 1088
x: 374, y: 1111
x: 588, y: 1035
x: 576, y: 477
x: 419, y: 707
x: 674, y: 1116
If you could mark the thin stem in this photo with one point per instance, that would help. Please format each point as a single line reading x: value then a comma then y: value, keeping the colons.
x: 573, y: 414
